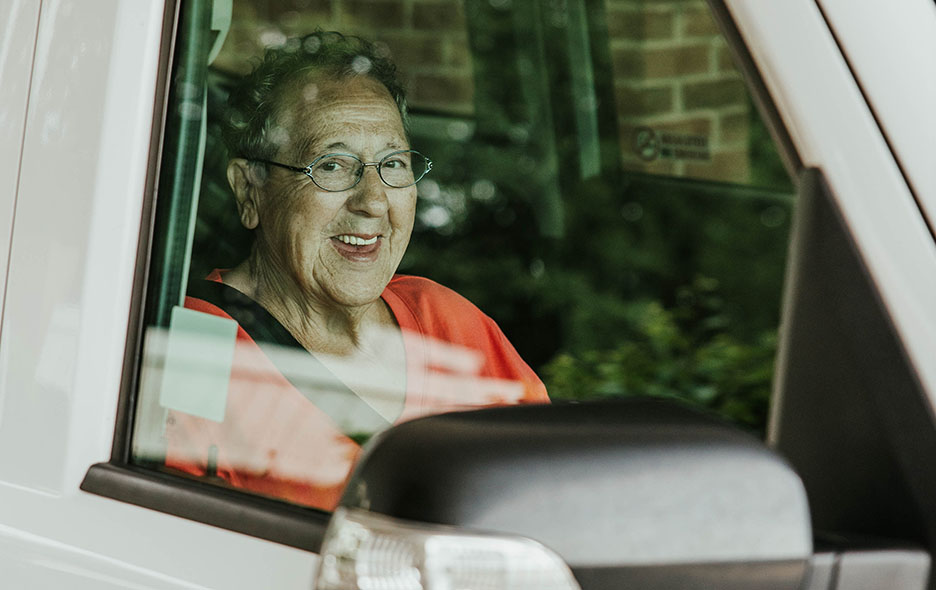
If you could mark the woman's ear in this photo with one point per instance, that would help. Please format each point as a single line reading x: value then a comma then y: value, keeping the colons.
x: 246, y: 191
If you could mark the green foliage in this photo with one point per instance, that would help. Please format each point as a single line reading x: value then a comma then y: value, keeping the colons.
x: 681, y: 352
x: 658, y: 287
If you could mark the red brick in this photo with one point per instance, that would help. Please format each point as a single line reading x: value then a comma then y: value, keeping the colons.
x: 627, y: 63
x: 639, y: 102
x: 245, y: 12
x: 415, y: 51
x: 379, y: 14
x: 459, y: 53
x: 624, y: 25
x: 693, y: 126
x: 715, y: 94
x: 442, y: 90
x: 439, y: 16
x: 698, y: 22
x: 659, y: 25
x: 734, y: 128
x: 307, y: 10
x: 239, y: 48
x: 676, y: 61
x: 641, y: 25
x: 724, y: 59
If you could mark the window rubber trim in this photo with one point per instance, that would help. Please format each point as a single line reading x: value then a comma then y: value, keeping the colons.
x: 118, y: 479
x: 227, y: 508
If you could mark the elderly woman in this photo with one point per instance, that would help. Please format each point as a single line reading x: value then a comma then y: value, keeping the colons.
x: 332, y: 345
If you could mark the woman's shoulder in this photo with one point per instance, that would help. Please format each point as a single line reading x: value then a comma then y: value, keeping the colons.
x: 444, y: 316
x: 420, y: 293
x: 426, y: 306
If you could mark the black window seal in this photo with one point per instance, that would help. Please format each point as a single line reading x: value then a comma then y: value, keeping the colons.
x: 227, y: 508
x: 118, y: 479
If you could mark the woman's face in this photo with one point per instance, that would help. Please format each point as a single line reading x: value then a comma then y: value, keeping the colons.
x: 303, y: 232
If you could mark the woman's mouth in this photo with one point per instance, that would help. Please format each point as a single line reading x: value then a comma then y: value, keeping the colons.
x: 356, y: 240
x: 357, y: 247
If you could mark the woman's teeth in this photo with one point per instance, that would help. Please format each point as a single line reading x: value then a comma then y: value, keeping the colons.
x: 356, y: 241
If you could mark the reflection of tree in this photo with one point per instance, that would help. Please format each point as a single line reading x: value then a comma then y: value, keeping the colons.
x: 681, y: 352
x: 659, y: 287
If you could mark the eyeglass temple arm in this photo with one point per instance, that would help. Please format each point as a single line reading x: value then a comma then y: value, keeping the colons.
x: 286, y: 166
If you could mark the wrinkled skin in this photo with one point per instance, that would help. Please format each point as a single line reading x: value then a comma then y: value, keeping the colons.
x: 326, y: 292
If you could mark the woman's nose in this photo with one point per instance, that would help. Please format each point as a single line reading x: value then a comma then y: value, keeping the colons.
x: 370, y: 195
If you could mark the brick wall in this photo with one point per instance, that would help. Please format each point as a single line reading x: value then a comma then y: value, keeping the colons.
x: 427, y: 39
x: 682, y: 106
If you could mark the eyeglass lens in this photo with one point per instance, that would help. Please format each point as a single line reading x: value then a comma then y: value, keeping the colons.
x: 338, y: 172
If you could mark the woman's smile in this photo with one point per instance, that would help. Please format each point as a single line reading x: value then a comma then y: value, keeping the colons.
x: 358, y: 247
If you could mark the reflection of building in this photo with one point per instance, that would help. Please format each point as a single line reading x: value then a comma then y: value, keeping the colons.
x: 427, y: 39
x: 674, y: 76
x: 673, y: 73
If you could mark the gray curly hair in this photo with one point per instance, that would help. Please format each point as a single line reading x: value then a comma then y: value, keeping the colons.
x: 252, y: 104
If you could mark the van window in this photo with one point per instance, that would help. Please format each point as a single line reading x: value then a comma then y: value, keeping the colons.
x: 598, y: 211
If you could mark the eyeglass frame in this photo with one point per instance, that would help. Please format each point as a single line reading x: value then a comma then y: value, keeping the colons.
x: 308, y: 169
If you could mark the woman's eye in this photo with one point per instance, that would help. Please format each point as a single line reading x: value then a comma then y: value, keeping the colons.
x: 394, y: 164
x: 330, y: 166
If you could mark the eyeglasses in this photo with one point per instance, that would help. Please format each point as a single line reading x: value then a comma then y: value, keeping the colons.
x: 340, y: 172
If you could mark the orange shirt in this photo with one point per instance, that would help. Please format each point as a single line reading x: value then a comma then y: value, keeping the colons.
x: 275, y: 441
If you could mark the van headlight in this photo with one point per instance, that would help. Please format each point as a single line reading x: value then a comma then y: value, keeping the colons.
x: 368, y: 551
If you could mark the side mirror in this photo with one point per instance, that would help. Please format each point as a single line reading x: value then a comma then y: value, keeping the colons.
x: 633, y: 493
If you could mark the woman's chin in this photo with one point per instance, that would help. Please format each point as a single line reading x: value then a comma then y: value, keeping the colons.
x: 356, y: 277
x: 357, y: 290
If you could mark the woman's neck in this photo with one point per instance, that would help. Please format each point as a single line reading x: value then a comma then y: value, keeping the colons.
x: 320, y: 326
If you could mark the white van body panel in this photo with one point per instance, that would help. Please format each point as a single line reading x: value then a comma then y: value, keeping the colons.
x: 85, y: 155
x: 84, y: 148
x: 18, y: 25
x: 892, y: 55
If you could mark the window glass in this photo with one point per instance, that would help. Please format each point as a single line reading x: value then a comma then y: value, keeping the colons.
x: 604, y: 214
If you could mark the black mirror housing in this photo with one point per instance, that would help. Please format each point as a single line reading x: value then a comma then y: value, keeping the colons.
x: 629, y: 491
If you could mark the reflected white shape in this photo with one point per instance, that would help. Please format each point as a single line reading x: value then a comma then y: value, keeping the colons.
x: 361, y: 64
x: 483, y: 190
x: 272, y: 38
x: 310, y: 92
x: 429, y: 190
x: 435, y: 216
x: 519, y: 134
x: 455, y: 201
x: 312, y: 44
x: 459, y: 131
x: 279, y: 136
